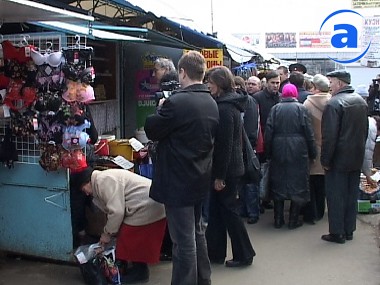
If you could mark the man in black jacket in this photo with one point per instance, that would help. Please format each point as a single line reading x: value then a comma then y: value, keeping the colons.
x: 344, y: 133
x: 266, y: 99
x: 185, y: 126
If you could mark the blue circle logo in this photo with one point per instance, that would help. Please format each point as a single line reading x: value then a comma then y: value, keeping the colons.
x: 348, y: 39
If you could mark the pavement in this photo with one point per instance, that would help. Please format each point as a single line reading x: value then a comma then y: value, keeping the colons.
x: 284, y: 257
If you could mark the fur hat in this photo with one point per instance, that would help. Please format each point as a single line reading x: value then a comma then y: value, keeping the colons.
x: 321, y: 82
x: 297, y: 67
x: 341, y: 75
x: 289, y: 90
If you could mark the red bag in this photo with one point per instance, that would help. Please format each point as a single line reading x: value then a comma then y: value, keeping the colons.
x: 260, y: 137
x: 102, y: 148
x: 260, y: 141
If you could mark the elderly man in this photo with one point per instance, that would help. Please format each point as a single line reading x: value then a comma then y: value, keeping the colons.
x: 344, y: 133
x: 253, y: 85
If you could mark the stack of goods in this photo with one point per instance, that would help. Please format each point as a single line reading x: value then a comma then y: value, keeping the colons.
x: 369, y: 196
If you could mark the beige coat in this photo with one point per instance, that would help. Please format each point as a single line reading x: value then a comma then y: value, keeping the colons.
x: 316, y: 104
x: 124, y: 197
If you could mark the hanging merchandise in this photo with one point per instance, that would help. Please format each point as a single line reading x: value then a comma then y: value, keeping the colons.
x: 46, y: 88
x: 50, y: 159
x: 245, y: 70
x: 8, y: 152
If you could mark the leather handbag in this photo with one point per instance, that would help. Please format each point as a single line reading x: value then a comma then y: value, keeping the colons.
x: 252, y: 173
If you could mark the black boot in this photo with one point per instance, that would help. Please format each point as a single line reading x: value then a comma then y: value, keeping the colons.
x: 278, y: 213
x: 138, y: 273
x: 294, y: 213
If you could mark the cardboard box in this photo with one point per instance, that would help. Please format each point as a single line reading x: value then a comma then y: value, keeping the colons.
x: 121, y: 147
x: 368, y: 206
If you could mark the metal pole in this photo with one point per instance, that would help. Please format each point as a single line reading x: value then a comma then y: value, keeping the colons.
x: 212, y: 18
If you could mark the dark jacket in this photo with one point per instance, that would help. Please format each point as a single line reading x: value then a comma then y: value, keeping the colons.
x: 251, y: 117
x: 265, y: 100
x: 185, y: 127
x: 282, y: 84
x: 228, y: 155
x: 302, y: 94
x: 344, y: 131
x: 289, y: 144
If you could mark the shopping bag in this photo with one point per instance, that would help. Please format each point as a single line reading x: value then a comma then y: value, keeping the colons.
x: 146, y: 170
x: 252, y: 172
x: 102, y: 148
x: 90, y: 264
x: 109, y: 267
x: 92, y: 272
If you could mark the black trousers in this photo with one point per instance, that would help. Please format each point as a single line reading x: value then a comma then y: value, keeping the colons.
x: 314, y: 210
x: 224, y: 217
x: 341, y: 195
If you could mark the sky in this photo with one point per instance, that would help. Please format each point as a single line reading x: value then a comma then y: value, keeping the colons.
x: 249, y: 16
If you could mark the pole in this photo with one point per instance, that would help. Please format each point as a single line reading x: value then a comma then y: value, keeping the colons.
x: 212, y: 18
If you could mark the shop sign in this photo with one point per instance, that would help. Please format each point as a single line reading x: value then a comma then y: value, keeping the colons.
x: 345, y: 36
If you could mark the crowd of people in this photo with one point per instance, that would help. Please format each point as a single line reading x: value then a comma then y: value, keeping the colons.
x: 311, y: 140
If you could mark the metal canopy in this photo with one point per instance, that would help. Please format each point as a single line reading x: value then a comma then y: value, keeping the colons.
x: 16, y: 11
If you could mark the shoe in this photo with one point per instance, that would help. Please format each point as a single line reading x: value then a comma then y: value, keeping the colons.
x: 295, y: 225
x: 278, y: 223
x: 350, y: 236
x: 252, y: 220
x: 262, y: 209
x: 309, y: 221
x: 165, y: 257
x: 138, y: 274
x: 267, y: 205
x: 294, y: 212
x: 334, y: 238
x: 237, y: 263
x: 217, y: 261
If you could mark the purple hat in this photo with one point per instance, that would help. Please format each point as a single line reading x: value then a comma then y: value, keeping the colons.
x: 289, y: 90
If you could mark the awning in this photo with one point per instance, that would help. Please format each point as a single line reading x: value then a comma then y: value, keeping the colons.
x: 18, y: 11
x: 239, y: 55
x: 153, y: 37
x: 234, y: 43
x: 87, y: 31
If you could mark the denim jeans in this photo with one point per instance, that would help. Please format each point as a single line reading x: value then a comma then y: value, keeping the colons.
x: 249, y: 196
x: 191, y: 265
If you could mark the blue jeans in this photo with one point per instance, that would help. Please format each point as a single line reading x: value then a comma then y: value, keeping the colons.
x: 191, y: 265
x: 249, y: 196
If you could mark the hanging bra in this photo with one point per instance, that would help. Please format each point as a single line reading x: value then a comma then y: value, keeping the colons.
x: 78, y: 92
x: 53, y: 59
x: 20, y: 54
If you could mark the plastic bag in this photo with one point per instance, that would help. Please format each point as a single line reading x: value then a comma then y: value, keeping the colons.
x: 109, y: 268
x: 97, y: 266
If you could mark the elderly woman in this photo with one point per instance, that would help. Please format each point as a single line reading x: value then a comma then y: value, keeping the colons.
x: 137, y: 221
x: 289, y: 144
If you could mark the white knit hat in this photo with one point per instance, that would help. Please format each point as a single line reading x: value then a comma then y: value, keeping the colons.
x: 362, y: 90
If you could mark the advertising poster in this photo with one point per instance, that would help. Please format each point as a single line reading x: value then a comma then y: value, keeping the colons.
x: 145, y: 88
x: 252, y: 39
x: 315, y: 39
x: 280, y: 40
x: 370, y: 32
x: 359, y: 4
